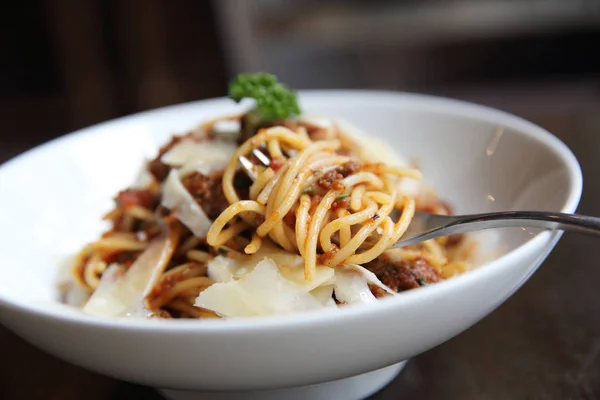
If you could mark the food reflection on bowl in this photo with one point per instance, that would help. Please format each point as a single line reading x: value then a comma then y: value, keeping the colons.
x: 476, y: 158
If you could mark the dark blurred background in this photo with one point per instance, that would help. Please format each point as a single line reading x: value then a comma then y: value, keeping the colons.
x: 67, y: 64
x: 70, y: 63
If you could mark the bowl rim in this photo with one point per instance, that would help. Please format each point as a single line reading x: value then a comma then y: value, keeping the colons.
x: 427, y: 103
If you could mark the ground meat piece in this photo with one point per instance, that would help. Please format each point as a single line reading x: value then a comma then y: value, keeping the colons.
x: 207, y: 191
x: 338, y: 185
x: 137, y: 197
x: 331, y: 180
x: 129, y: 198
x: 343, y: 203
x: 377, y: 291
x: 156, y: 167
x: 403, y: 275
x: 349, y: 168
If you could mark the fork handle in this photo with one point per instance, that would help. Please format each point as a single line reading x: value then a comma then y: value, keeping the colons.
x: 443, y: 225
x: 532, y: 219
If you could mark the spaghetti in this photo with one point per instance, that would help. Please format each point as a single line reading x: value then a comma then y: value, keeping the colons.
x: 294, y: 190
x: 315, y: 202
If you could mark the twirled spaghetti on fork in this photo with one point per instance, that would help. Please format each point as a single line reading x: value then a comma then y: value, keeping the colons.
x: 310, y: 187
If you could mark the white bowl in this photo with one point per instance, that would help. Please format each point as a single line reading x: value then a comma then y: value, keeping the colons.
x: 479, y: 159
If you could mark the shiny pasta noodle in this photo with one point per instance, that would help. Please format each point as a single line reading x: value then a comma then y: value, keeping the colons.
x: 276, y: 194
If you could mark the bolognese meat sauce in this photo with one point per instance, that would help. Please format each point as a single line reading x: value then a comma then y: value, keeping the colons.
x: 402, y: 275
x: 207, y: 190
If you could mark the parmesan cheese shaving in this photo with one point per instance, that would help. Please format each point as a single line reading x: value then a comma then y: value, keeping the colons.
x: 264, y: 291
x: 236, y: 287
x: 228, y: 129
x: 120, y: 296
x: 370, y: 277
x: 220, y: 269
x: 324, y: 294
x: 351, y: 287
x: 291, y: 267
x: 202, y: 167
x: 189, y: 151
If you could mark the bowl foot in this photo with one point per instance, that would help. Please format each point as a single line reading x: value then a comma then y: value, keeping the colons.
x: 353, y: 388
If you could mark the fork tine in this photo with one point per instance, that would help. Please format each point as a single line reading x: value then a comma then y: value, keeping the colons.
x: 262, y: 157
x: 248, y: 167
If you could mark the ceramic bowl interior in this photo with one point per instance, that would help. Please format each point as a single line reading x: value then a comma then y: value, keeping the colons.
x: 477, y: 158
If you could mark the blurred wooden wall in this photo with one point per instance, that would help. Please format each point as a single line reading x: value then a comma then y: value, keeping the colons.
x: 73, y: 63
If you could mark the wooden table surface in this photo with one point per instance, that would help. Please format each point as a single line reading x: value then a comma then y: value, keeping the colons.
x: 543, y: 343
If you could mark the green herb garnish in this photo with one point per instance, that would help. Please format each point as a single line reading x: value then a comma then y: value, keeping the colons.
x: 308, y: 190
x: 342, y: 196
x: 273, y: 99
x: 421, y: 281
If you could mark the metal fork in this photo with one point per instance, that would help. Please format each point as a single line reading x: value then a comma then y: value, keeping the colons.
x: 425, y: 226
x: 249, y: 167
